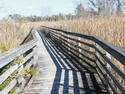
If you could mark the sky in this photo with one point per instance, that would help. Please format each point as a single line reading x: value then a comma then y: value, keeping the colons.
x: 38, y: 7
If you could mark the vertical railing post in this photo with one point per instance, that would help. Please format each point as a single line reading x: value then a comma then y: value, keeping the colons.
x: 21, y: 80
x: 79, y: 44
x: 35, y: 57
x: 96, y: 52
x: 109, y: 67
x: 68, y: 41
x: 109, y: 56
x: 97, y: 63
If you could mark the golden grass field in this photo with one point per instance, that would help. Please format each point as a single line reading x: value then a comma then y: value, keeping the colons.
x: 111, y: 29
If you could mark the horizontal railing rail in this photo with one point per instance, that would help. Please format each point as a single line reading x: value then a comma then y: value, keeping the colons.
x: 105, y: 55
x: 15, y: 63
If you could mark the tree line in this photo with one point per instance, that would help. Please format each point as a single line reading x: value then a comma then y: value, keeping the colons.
x: 104, y: 8
x: 42, y: 18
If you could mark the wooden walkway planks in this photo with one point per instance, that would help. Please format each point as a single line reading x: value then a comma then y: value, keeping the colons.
x: 43, y: 80
x: 59, y: 73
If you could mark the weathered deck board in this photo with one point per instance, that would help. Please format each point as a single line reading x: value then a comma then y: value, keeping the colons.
x: 60, y: 73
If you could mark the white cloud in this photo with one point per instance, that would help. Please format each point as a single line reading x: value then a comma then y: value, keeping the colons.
x: 29, y: 7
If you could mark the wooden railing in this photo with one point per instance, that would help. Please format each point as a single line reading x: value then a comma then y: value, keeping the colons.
x: 107, y: 59
x: 15, y: 63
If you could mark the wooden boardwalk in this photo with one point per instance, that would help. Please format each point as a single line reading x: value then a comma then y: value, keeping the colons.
x: 65, y: 62
x: 60, y: 72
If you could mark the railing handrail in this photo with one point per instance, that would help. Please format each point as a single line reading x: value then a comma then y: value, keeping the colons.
x: 64, y: 37
x: 12, y: 54
x: 29, y: 43
x: 115, y: 51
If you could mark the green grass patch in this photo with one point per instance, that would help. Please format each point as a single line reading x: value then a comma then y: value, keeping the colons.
x: 4, y: 47
x: 17, y: 60
x: 13, y: 90
x: 28, y: 72
x: 8, y: 80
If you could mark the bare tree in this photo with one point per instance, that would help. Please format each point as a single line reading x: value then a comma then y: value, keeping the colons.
x: 107, y: 7
x: 96, y: 6
x: 102, y: 7
x: 80, y: 11
x: 119, y: 6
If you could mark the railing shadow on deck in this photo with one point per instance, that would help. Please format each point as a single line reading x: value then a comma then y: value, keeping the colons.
x: 107, y: 58
x: 58, y: 54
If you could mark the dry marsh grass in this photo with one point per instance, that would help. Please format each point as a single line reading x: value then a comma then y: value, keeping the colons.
x: 111, y: 29
x: 12, y: 33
